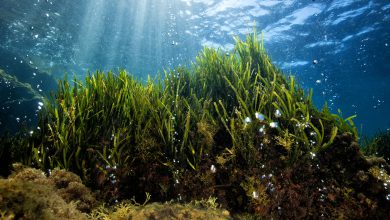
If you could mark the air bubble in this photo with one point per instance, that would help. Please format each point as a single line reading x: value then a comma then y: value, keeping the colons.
x: 247, y: 120
x: 259, y: 116
x: 273, y: 124
x: 278, y: 114
x: 279, y: 210
x: 213, y: 169
x: 262, y: 129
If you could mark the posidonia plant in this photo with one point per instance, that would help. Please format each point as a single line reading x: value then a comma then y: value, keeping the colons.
x: 114, y: 120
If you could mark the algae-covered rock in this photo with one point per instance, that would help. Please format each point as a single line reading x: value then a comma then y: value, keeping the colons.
x: 165, y: 211
x: 22, y: 87
x: 28, y: 200
x: 29, y: 194
x: 70, y: 188
x: 25, y: 72
x: 378, y: 146
x: 19, y: 103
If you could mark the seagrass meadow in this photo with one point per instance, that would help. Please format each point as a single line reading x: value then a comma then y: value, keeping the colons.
x: 231, y: 136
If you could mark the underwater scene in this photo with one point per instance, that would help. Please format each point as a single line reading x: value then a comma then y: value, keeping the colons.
x: 194, y: 109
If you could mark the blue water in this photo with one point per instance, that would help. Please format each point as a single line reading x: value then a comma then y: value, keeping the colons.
x: 340, y: 48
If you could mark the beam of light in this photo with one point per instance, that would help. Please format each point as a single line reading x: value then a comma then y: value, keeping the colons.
x: 91, y: 31
x: 120, y: 29
x: 138, y: 34
x: 125, y: 33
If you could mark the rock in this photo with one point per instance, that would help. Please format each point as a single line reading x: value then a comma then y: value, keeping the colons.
x: 21, y: 88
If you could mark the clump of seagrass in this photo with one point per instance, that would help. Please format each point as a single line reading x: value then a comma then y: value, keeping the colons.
x: 114, y: 121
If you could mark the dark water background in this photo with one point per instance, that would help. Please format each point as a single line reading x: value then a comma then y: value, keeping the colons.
x: 349, y: 40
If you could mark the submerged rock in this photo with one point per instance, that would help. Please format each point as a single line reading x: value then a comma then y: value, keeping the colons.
x: 22, y: 87
x: 166, y: 211
x: 59, y: 195
x: 30, y: 195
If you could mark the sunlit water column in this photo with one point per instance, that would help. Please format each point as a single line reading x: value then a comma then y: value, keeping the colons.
x: 137, y: 35
x: 148, y: 43
x: 119, y: 28
x: 91, y: 33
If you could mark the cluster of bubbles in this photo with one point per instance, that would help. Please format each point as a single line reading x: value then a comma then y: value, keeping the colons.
x: 377, y: 102
x: 111, y: 170
x: 176, y: 175
x: 274, y: 124
x: 175, y: 136
x: 40, y: 105
x: 261, y: 118
x: 323, y: 192
x: 269, y: 186
x: 386, y: 183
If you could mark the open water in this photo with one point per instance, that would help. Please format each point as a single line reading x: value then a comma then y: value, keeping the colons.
x: 340, y: 48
